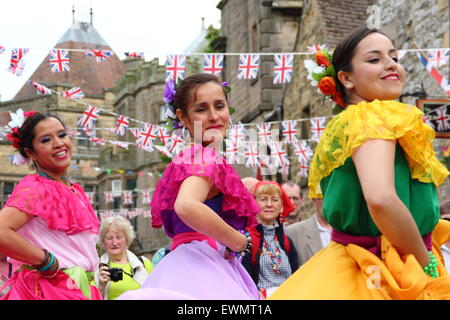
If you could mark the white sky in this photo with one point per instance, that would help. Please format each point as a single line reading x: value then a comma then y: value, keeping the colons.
x: 155, y: 27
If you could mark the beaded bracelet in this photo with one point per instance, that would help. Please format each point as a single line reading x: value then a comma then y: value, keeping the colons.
x: 247, y: 249
x: 431, y: 268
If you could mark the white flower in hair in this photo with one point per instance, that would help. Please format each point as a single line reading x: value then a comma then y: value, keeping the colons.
x: 17, y: 119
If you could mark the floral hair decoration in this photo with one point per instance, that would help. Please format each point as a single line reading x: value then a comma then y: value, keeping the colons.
x: 17, y: 120
x: 322, y: 74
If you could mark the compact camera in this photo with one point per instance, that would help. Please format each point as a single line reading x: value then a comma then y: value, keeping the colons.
x: 116, y: 273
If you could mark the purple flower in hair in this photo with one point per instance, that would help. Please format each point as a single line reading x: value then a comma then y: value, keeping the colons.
x: 169, y: 91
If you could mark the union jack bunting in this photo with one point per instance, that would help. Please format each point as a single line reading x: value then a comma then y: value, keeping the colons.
x: 90, y: 196
x: 264, y: 132
x: 100, y: 141
x: 163, y: 135
x: 147, y: 137
x: 59, y: 60
x: 213, y: 63
x: 236, y: 133
x: 284, y: 64
x: 437, y: 58
x: 127, y: 197
x: 109, y: 197
x: 138, y: 212
x: 17, y: 64
x: 146, y: 198
x: 175, y: 144
x: 40, y: 88
x: 401, y: 54
x: 2, y: 49
x: 75, y: 93
x: 248, y: 66
x: 89, y: 117
x: 124, y: 212
x: 139, y: 55
x: 175, y: 67
x: 251, y: 154
x: 148, y: 213
x: 121, y: 144
x: 100, y: 55
x: 284, y: 171
x: 303, y: 169
x: 317, y: 127
x: 17, y: 69
x: 289, y: 130
x: 303, y: 151
x: 278, y: 155
x: 134, y: 132
x: 443, y: 82
x: 163, y: 150
x: 316, y: 48
x: 427, y: 119
x: 442, y: 119
x: 122, y: 123
x: 231, y: 152
x: 89, y: 132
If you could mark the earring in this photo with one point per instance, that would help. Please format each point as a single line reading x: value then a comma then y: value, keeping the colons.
x: 230, y: 123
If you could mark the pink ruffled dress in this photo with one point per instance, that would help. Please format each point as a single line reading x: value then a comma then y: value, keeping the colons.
x: 64, y: 223
x: 196, y: 268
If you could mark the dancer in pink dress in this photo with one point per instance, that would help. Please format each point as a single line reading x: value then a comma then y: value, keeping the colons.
x: 203, y: 206
x: 48, y: 228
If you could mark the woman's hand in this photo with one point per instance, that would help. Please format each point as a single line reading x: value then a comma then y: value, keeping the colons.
x: 104, y: 276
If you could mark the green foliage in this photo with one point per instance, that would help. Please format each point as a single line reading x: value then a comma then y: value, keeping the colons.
x: 212, y: 35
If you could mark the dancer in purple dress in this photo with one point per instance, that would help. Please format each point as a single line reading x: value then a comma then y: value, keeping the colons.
x: 203, y: 206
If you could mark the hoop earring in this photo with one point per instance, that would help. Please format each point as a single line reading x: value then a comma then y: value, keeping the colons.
x: 230, y: 123
x: 185, y: 136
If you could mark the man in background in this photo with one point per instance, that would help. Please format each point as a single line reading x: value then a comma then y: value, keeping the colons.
x: 294, y: 193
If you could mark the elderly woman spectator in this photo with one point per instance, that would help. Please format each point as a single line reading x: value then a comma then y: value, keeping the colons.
x: 120, y: 269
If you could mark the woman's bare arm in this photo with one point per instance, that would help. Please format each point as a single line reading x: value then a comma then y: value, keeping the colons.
x: 374, y: 162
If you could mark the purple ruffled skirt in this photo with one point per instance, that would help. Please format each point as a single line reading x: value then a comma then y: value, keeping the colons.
x: 196, y: 271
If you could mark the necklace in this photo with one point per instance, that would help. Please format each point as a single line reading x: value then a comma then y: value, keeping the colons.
x: 67, y: 181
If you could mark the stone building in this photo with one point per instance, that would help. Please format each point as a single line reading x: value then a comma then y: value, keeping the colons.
x: 95, y: 79
x: 328, y: 21
x: 257, y: 26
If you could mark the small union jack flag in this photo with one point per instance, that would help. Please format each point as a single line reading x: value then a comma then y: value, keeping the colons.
x: 231, y: 152
x: 317, y: 127
x: 139, y: 55
x: 134, y: 132
x: 289, y: 130
x: 248, y: 66
x: 278, y: 154
x: 100, y: 55
x: 236, y: 134
x: 264, y: 132
x: 443, y: 82
x: 284, y: 171
x: 427, y: 119
x: 75, y: 93
x: 163, y: 135
x: 17, y: 64
x: 303, y: 169
x: 122, y: 123
x: 284, y: 64
x: 437, y: 58
x: 2, y: 49
x: 40, y: 88
x: 302, y: 150
x: 124, y: 212
x: 251, y: 154
x: 147, y: 136
x: 175, y: 67
x: 99, y: 141
x: 89, y: 117
x: 148, y: 213
x: 316, y: 48
x: 127, y: 197
x: 146, y: 197
x: 109, y: 197
x: 91, y: 197
x: 175, y: 144
x: 59, y: 60
x: 213, y: 63
x: 442, y: 119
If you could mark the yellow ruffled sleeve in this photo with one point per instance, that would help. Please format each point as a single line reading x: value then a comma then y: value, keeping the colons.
x: 386, y: 120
